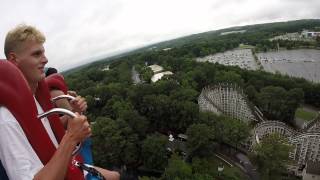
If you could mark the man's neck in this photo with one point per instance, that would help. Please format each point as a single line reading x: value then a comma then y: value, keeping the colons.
x: 33, y: 87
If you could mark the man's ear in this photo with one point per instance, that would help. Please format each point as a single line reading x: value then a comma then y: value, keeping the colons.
x: 12, y: 57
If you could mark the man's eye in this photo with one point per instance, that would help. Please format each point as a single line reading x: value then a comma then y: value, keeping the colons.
x: 37, y: 54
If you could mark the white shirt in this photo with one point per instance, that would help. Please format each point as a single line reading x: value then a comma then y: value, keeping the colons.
x: 16, y: 154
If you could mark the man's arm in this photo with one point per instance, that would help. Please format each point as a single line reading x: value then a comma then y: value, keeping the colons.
x: 79, y: 105
x: 56, y: 168
x: 20, y: 160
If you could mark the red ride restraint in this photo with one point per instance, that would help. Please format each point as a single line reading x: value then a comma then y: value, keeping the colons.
x: 56, y: 81
x: 16, y: 95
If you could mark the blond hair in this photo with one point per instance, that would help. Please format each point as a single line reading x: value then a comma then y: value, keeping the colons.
x: 20, y: 34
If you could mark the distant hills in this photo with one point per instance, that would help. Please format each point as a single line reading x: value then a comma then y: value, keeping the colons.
x: 288, y: 26
x: 268, y: 29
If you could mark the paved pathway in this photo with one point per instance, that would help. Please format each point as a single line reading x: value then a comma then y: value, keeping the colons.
x: 246, y: 164
x: 135, y: 76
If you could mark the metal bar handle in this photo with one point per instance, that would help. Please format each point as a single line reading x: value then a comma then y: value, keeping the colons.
x: 68, y: 97
x: 57, y: 111
x: 62, y: 97
x: 65, y: 112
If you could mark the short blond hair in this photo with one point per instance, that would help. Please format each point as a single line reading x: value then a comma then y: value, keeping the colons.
x: 20, y: 34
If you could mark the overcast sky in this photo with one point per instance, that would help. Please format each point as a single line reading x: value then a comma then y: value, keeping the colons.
x: 79, y: 31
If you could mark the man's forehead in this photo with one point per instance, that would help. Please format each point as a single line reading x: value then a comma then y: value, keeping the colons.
x: 31, y: 46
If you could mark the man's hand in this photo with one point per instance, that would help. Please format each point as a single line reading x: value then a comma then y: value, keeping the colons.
x: 72, y: 93
x: 79, y: 104
x: 78, y: 128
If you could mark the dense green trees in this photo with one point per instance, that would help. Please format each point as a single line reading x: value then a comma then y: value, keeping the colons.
x: 271, y: 156
x: 200, y: 140
x: 278, y: 104
x: 154, y: 152
x: 114, y: 143
x: 226, y: 129
x: 204, y: 167
x: 251, y: 93
x: 157, y: 109
x: 138, y: 123
x: 231, y: 131
x: 229, y: 77
x: 146, y: 73
x: 177, y: 169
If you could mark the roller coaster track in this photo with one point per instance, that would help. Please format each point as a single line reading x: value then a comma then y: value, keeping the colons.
x: 212, y: 98
x: 230, y: 100
x: 306, y: 144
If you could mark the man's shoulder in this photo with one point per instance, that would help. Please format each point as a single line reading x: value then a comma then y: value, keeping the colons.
x: 6, y: 116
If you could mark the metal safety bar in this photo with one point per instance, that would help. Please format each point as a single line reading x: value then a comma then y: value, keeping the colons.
x: 57, y: 111
x: 64, y: 112
x: 62, y: 97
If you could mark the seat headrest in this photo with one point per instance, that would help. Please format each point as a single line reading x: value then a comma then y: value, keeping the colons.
x: 56, y: 81
x: 15, y: 91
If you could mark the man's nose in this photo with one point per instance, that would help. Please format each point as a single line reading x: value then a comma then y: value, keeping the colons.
x: 44, y: 59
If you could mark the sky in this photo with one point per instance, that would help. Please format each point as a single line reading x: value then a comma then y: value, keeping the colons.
x: 81, y: 31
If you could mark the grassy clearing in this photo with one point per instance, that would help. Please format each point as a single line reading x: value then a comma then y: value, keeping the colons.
x: 229, y: 172
x: 305, y: 115
x: 244, y: 46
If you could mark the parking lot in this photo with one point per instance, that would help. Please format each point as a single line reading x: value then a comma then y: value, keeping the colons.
x: 239, y: 57
x: 303, y: 63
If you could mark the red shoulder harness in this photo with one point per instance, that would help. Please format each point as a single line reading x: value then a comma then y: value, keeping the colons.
x: 56, y: 81
x: 18, y: 98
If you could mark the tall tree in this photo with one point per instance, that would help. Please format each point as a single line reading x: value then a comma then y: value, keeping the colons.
x: 251, y: 92
x: 177, y: 169
x: 229, y: 77
x: 200, y: 140
x: 157, y: 109
x: 294, y: 99
x: 271, y: 156
x: 231, y: 131
x: 272, y: 100
x: 203, y: 166
x: 279, y: 104
x: 154, y: 152
x: 138, y: 123
x: 182, y: 115
x: 114, y: 143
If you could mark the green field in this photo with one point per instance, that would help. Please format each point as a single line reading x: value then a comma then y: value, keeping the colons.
x: 244, y: 46
x: 305, y: 115
x: 229, y: 172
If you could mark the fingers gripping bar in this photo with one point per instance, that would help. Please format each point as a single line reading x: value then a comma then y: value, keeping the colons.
x: 64, y: 112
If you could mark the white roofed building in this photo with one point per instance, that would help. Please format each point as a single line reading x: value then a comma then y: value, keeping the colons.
x: 158, y: 76
x: 156, y: 68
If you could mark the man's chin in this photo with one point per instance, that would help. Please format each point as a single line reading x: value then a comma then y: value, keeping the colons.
x: 42, y: 77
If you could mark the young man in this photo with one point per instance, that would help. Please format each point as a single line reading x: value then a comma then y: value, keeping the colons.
x: 24, y: 48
